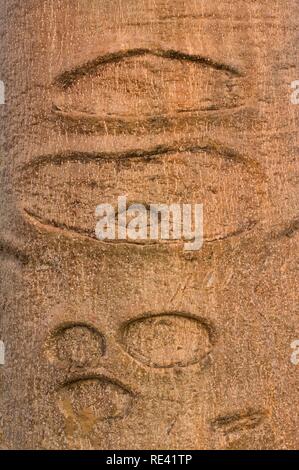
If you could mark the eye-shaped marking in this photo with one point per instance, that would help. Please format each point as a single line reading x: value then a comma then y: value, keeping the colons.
x: 234, y: 430
x: 168, y: 340
x: 119, y: 91
x: 85, y: 402
x: 77, y: 345
x: 73, y: 184
x: 152, y: 220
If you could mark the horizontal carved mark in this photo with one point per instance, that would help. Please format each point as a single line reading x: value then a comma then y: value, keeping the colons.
x: 140, y: 91
x: 76, y: 231
x: 67, y: 79
x: 87, y: 401
x: 246, y: 227
x: 49, y: 225
x: 238, y: 422
x: 166, y: 340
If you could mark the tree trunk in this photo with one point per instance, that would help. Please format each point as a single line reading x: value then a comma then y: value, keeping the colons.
x: 142, y: 344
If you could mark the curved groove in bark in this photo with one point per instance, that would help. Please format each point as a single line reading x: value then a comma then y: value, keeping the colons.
x: 149, y: 154
x: 66, y: 79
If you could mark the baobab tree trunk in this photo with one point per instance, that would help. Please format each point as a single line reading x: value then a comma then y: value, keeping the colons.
x: 145, y: 345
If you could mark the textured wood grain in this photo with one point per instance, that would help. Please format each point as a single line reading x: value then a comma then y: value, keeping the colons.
x: 124, y: 345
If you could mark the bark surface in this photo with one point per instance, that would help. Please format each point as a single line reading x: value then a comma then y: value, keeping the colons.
x: 147, y: 346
